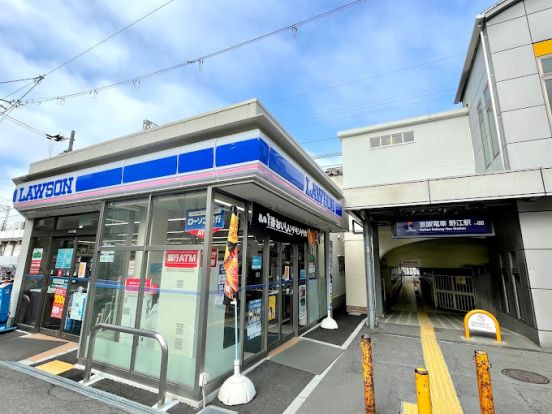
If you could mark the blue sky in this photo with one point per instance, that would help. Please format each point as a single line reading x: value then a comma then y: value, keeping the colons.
x: 333, y: 74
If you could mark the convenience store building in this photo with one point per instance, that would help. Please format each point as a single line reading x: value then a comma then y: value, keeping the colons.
x: 132, y: 232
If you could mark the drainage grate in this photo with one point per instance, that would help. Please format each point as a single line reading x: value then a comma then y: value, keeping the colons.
x: 525, y: 376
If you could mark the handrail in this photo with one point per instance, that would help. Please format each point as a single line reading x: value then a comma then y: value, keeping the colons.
x: 133, y: 331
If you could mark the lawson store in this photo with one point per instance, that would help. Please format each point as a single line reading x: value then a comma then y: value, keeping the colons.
x: 132, y: 232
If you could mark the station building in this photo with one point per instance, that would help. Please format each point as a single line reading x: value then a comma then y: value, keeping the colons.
x: 461, y: 200
x: 132, y: 232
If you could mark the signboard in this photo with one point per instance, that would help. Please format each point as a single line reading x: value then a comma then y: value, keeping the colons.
x: 195, y: 222
x: 59, y: 301
x: 82, y: 269
x: 443, y: 227
x: 254, y: 325
x: 479, y: 320
x: 64, y: 258
x: 271, y: 307
x: 36, y: 260
x: 256, y: 262
x: 187, y: 259
x: 410, y: 263
x: 107, y: 256
x: 280, y: 227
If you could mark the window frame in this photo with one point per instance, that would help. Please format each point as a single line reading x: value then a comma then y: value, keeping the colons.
x: 543, y: 78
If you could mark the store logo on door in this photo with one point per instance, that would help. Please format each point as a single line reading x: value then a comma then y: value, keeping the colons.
x: 41, y: 191
x: 195, y: 222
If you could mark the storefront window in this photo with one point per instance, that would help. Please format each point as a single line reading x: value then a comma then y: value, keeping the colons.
x: 115, y: 302
x: 125, y: 223
x: 221, y: 341
x: 312, y: 276
x: 43, y: 224
x: 171, y: 307
x: 274, y: 271
x: 302, y: 293
x: 78, y: 223
x: 179, y: 219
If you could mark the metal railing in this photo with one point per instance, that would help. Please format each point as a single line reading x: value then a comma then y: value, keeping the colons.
x: 132, y: 331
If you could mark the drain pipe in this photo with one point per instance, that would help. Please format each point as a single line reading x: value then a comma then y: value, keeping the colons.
x: 369, y: 272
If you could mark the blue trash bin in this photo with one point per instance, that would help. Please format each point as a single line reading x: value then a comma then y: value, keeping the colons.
x: 5, y: 296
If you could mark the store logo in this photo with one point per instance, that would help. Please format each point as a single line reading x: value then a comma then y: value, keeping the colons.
x: 44, y: 190
x: 319, y: 195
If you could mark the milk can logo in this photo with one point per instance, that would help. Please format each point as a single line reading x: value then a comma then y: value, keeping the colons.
x: 44, y: 190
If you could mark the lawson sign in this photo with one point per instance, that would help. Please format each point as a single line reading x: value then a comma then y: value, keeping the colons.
x: 178, y: 167
x: 44, y: 190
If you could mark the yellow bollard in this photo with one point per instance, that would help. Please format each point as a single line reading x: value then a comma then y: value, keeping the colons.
x: 482, y: 368
x: 368, y: 374
x: 423, y: 395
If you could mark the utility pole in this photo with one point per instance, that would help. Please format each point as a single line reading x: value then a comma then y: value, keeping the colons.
x: 5, y: 222
x: 71, y: 141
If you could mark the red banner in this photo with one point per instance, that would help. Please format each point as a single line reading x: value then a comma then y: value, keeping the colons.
x: 187, y: 259
x: 59, y: 301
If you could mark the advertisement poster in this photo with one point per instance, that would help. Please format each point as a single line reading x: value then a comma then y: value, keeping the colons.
x: 195, y: 222
x: 64, y: 258
x: 302, y: 304
x: 286, y: 273
x: 107, y: 256
x: 36, y: 260
x: 271, y: 307
x: 78, y: 305
x: 82, y: 269
x: 256, y: 262
x: 183, y: 259
x: 59, y: 301
x: 254, y: 325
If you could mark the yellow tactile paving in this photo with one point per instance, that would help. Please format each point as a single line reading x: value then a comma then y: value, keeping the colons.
x: 443, y: 395
x: 55, y: 367
x: 409, y: 408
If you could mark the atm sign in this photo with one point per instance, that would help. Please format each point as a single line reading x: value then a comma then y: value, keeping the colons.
x: 187, y: 259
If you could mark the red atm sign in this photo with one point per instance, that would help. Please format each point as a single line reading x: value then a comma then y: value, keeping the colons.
x: 187, y: 259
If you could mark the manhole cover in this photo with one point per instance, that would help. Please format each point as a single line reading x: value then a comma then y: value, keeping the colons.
x: 525, y: 376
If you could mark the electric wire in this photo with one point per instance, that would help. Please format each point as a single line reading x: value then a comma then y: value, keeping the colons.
x: 197, y: 60
x: 16, y: 80
x: 24, y: 125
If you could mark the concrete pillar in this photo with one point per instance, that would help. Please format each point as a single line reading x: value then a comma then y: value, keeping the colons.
x: 21, y: 262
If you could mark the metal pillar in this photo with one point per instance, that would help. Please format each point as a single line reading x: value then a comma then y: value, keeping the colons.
x: 370, y: 272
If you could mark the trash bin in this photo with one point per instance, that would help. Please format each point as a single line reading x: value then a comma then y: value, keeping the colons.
x: 5, y: 296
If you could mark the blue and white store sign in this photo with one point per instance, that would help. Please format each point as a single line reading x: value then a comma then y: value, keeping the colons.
x: 443, y: 227
x: 204, y: 162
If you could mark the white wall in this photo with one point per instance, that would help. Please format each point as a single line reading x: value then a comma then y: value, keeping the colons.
x: 442, y: 147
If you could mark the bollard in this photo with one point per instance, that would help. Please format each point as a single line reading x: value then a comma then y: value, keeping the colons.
x: 368, y: 374
x: 423, y: 395
x: 482, y: 368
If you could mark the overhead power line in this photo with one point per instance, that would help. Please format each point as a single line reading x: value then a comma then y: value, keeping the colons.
x: 198, y: 60
x: 16, y: 80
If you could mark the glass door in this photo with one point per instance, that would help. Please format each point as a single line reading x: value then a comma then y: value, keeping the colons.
x: 275, y: 266
x: 61, y: 264
x: 302, y: 289
x: 287, y: 272
x: 78, y: 286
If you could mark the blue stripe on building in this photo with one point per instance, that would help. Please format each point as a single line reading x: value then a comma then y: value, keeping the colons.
x: 195, y: 160
x: 150, y: 169
x: 242, y: 151
x: 99, y: 179
x: 286, y: 169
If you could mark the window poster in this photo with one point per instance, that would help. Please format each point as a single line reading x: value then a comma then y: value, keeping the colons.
x: 271, y: 307
x: 59, y: 302
x: 64, y: 258
x: 36, y: 260
x: 302, y: 305
x: 254, y: 325
x: 78, y: 305
x: 256, y: 262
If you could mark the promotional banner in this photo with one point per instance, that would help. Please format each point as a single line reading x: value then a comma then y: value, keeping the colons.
x: 231, y: 285
x: 78, y: 306
x: 443, y: 227
x: 195, y: 222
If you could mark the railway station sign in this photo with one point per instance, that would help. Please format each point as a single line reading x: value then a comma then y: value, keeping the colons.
x: 443, y: 227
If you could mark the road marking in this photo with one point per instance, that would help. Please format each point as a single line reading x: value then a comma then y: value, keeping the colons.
x: 443, y: 395
x: 55, y: 367
x: 409, y: 408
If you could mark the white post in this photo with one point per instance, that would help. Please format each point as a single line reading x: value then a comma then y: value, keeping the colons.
x: 328, y: 322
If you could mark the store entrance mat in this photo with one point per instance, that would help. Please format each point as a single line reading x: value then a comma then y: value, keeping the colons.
x: 309, y: 356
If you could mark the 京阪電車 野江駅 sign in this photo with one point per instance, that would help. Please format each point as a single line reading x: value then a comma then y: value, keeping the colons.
x: 443, y: 227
